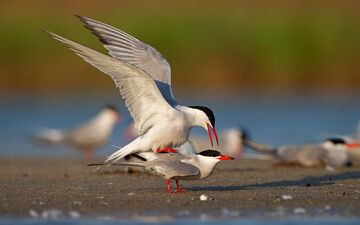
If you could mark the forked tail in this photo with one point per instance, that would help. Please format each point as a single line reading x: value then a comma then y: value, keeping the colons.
x: 128, y: 149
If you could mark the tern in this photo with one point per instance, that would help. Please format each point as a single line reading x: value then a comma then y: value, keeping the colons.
x: 85, y: 137
x: 352, y: 148
x: 175, y: 166
x: 136, y: 69
x: 308, y: 155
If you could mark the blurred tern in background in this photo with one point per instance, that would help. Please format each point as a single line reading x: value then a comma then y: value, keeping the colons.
x: 350, y: 142
x: 352, y: 148
x: 143, y: 76
x: 230, y: 143
x: 86, y: 137
x: 329, y: 153
x: 174, y: 166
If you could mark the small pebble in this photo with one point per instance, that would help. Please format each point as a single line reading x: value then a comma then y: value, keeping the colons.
x: 299, y: 210
x: 33, y: 213
x: 286, y: 197
x: 205, y: 198
x: 77, y: 203
x: 74, y: 214
x: 52, y: 214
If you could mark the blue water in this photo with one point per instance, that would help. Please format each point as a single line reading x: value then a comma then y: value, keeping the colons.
x: 294, y: 119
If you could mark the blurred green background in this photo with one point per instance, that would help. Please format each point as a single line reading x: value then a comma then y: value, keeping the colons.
x: 268, y: 47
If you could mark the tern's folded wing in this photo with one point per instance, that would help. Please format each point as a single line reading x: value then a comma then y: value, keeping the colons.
x: 129, y: 49
x: 142, y: 97
x: 174, y: 168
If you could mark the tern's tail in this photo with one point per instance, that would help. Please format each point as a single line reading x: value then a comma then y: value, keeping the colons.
x: 49, y: 136
x: 259, y: 147
x: 138, y: 164
x: 132, y: 147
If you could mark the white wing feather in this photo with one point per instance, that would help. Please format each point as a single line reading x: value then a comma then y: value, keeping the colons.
x: 142, y: 97
x: 129, y: 49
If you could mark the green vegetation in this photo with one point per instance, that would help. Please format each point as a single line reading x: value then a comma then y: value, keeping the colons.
x: 247, y: 46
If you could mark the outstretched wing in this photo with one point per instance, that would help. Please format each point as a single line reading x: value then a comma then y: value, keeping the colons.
x: 142, y: 97
x: 129, y: 49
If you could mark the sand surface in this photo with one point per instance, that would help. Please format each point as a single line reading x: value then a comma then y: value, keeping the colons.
x: 239, y: 186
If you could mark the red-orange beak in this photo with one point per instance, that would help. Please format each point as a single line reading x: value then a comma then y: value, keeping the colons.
x: 225, y: 157
x: 213, y: 130
x: 353, y: 145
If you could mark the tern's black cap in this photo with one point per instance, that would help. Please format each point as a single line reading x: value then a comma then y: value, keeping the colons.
x: 208, y: 113
x: 112, y: 107
x: 211, y: 153
x: 336, y: 140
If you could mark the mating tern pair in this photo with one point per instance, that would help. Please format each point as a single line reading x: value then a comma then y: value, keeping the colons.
x: 86, y: 137
x: 144, y: 78
x: 230, y: 142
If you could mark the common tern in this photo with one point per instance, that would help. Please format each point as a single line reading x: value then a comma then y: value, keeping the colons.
x: 175, y: 166
x: 135, y: 68
x: 85, y: 137
x: 308, y: 155
x: 352, y: 148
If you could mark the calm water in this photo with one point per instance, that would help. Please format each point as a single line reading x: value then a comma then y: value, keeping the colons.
x: 274, y: 122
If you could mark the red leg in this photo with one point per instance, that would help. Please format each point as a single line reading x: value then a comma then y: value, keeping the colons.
x: 178, y: 186
x: 89, y: 156
x: 166, y: 150
x: 168, y: 185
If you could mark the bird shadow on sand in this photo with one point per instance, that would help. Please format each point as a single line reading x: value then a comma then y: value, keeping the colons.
x: 310, y: 180
x: 238, y: 169
x: 305, y: 182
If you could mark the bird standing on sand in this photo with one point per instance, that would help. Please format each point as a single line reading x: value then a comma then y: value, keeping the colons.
x: 309, y: 155
x: 135, y: 68
x: 86, y: 137
x: 174, y: 166
x: 352, y: 148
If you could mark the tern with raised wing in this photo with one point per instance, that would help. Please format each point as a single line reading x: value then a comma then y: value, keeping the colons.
x: 143, y: 76
x: 175, y: 166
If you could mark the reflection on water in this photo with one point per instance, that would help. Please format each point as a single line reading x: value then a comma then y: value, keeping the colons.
x: 294, y: 120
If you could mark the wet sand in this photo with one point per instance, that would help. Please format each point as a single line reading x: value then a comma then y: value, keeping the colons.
x: 239, y: 186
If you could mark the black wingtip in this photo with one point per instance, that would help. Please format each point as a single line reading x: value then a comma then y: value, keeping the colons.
x: 78, y: 16
x: 46, y: 31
